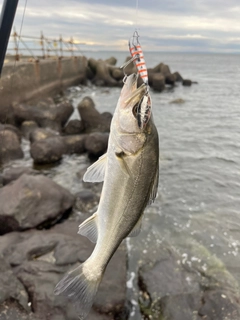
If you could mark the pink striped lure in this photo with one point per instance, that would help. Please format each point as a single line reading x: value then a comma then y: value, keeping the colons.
x: 137, y: 56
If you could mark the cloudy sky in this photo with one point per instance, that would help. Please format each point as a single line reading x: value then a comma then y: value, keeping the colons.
x: 163, y: 25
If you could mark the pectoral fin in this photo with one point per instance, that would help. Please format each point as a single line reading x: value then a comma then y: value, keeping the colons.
x: 137, y: 228
x: 96, y: 172
x: 154, y: 190
x: 89, y: 228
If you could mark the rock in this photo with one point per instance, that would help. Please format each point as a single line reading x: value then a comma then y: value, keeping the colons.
x: 6, y: 115
x: 75, y: 143
x: 32, y: 201
x: 40, y: 134
x: 91, y: 118
x: 39, y: 260
x: 27, y: 127
x: 101, y: 71
x: 170, y: 79
x: 158, y: 82
x: 45, y: 114
x: 12, y: 310
x: 74, y: 127
x: 11, y: 128
x: 186, y: 82
x: 96, y: 143
x: 12, y: 174
x: 172, y: 289
x: 117, y: 73
x: 49, y: 150
x: 89, y: 73
x: 157, y: 68
x: 178, y: 77
x: 10, y: 148
x: 112, y: 61
x: 11, y: 287
x: 177, y: 101
x: 86, y: 200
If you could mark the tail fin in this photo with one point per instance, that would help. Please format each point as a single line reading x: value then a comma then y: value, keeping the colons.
x: 80, y: 288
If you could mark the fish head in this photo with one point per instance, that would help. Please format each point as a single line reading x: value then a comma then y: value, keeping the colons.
x: 134, y: 106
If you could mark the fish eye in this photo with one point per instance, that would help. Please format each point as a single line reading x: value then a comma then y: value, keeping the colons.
x: 135, y: 110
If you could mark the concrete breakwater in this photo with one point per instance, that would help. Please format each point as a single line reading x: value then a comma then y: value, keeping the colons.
x: 26, y: 80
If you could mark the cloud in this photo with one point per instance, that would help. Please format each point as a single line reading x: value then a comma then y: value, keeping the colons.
x: 163, y: 25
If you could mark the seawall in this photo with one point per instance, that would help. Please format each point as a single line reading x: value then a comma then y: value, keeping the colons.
x: 25, y: 81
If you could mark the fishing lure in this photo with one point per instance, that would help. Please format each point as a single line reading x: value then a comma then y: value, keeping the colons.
x: 137, y: 57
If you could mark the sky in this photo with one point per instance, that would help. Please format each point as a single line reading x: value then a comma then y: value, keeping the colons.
x: 163, y: 25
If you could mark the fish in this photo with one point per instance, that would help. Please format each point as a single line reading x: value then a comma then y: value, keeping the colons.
x: 130, y: 173
x: 137, y: 57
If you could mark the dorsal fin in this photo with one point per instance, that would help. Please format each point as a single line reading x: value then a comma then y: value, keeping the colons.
x: 96, y: 172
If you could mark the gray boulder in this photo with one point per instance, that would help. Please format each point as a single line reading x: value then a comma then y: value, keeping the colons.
x: 27, y: 127
x: 75, y: 143
x: 10, y: 148
x: 96, y: 143
x: 92, y: 119
x: 74, y: 127
x: 45, y: 114
x: 32, y: 201
x: 12, y: 174
x: 48, y: 151
x: 41, y: 134
x: 158, y: 82
x: 39, y: 260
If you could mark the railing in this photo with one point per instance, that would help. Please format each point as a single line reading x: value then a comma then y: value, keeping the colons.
x: 42, y: 47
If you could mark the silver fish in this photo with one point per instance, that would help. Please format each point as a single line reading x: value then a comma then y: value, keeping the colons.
x: 130, y: 171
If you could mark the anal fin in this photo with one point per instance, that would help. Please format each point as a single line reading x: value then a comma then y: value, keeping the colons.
x: 137, y: 228
x: 89, y: 228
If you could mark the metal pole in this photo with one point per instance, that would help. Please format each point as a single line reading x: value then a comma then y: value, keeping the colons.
x: 6, y: 20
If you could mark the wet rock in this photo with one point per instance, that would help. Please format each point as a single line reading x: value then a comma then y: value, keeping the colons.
x: 27, y: 127
x: 49, y: 150
x: 178, y: 76
x: 12, y: 310
x: 96, y: 143
x: 12, y: 174
x: 102, y: 73
x: 117, y: 73
x: 172, y: 289
x: 91, y: 118
x: 6, y: 115
x: 86, y: 200
x: 10, y: 148
x: 186, y: 82
x: 170, y: 79
x: 41, y: 134
x: 74, y: 127
x: 45, y: 114
x: 75, y: 143
x: 158, y: 82
x: 177, y: 101
x: 11, y: 287
x: 32, y: 201
x: 39, y: 259
x: 13, y: 129
x: 112, y: 61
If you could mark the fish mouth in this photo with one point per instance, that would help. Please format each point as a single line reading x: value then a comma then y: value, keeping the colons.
x: 136, y: 94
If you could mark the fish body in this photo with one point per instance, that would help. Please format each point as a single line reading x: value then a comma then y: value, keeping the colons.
x: 129, y: 170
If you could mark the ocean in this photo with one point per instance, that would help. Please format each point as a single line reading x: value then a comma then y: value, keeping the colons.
x: 197, y: 212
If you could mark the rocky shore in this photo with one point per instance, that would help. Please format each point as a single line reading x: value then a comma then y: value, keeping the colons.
x: 39, y: 221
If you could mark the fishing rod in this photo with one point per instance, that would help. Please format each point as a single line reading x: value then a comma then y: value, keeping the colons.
x: 6, y: 21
